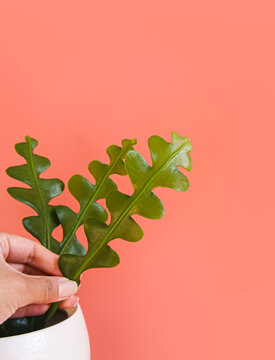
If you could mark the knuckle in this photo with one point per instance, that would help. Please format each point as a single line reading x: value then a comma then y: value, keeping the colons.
x: 48, y: 290
x: 40, y: 290
x: 32, y: 254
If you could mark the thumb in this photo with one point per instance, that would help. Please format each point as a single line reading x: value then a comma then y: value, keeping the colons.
x: 48, y: 289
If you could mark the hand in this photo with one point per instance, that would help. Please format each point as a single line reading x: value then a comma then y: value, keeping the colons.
x: 25, y: 290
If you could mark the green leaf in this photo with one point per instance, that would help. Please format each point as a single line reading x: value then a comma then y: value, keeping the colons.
x: 166, y: 158
x: 87, y: 194
x: 38, y: 195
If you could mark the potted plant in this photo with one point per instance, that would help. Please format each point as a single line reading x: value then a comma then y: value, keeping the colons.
x: 61, y: 336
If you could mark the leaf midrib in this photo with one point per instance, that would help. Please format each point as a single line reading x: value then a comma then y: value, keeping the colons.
x: 42, y: 200
x: 135, y: 198
x: 84, y: 210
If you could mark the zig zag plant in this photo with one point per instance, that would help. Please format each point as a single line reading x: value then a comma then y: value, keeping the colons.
x: 41, y: 191
x: 38, y: 195
x: 87, y: 194
x: 166, y: 157
x: 74, y: 260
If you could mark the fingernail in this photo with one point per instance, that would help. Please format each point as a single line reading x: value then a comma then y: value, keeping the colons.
x: 67, y: 288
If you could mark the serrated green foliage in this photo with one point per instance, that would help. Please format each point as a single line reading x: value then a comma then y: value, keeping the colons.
x: 87, y: 194
x: 38, y: 195
x: 166, y: 158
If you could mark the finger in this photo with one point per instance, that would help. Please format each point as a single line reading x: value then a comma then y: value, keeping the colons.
x: 31, y: 310
x: 68, y: 303
x: 26, y: 269
x: 47, y: 289
x: 16, y: 249
x: 40, y: 309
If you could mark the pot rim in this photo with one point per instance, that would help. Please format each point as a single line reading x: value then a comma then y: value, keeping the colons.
x: 71, y: 312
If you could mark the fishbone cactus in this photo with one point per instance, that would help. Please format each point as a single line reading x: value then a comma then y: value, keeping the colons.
x: 87, y: 194
x: 74, y: 260
x: 166, y: 158
x: 38, y: 195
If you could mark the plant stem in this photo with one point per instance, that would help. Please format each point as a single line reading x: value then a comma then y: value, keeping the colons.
x: 49, y: 314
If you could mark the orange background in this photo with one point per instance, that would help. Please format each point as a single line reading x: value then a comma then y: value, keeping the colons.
x: 79, y: 76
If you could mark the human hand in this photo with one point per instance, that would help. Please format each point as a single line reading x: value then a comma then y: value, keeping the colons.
x: 25, y: 290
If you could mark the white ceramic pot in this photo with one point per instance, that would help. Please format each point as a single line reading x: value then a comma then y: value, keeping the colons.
x: 67, y: 340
